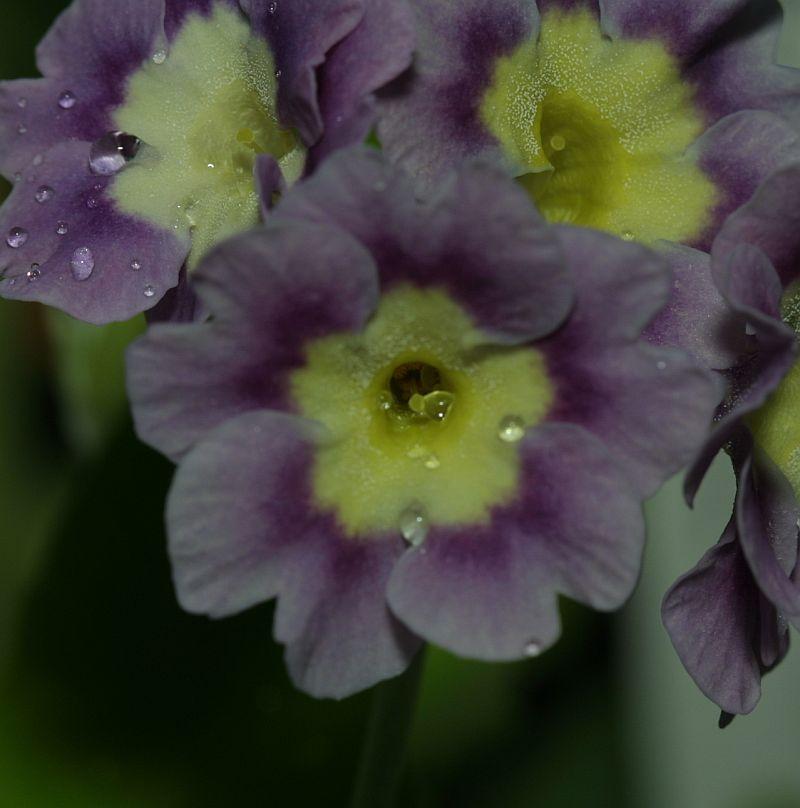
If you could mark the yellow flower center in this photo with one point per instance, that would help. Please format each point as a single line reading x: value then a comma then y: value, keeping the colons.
x: 598, y: 131
x: 424, y: 430
x: 206, y: 111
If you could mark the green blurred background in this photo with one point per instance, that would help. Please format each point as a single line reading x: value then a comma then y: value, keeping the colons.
x: 111, y: 696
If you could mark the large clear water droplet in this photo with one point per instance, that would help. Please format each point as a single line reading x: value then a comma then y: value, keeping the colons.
x: 414, y: 525
x: 82, y: 263
x: 16, y: 237
x: 44, y: 194
x: 511, y: 429
x: 67, y: 100
x: 112, y: 152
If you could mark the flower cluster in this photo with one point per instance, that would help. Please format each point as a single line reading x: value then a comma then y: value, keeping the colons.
x: 417, y: 390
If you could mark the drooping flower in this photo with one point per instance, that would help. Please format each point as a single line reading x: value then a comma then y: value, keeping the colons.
x: 209, y: 106
x: 650, y: 119
x: 728, y: 617
x: 414, y: 421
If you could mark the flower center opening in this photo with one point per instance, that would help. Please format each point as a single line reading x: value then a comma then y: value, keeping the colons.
x: 416, y: 395
x: 206, y: 111
x: 598, y: 131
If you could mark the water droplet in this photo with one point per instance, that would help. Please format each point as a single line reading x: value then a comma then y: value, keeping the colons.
x: 627, y: 235
x: 18, y: 177
x: 159, y: 57
x: 558, y: 142
x: 136, y: 265
x: 22, y: 129
x: 278, y: 73
x: 511, y: 429
x: 438, y: 404
x: 149, y: 291
x: 16, y: 237
x: 749, y: 330
x: 432, y: 462
x: 414, y: 525
x: 82, y: 263
x: 22, y: 103
x: 44, y: 194
x: 211, y: 165
x: 112, y: 152
x: 33, y: 274
x: 67, y: 100
x: 532, y: 649
x: 92, y: 202
x: 385, y: 401
x: 273, y: 6
x: 62, y: 228
x: 38, y: 160
x: 661, y: 364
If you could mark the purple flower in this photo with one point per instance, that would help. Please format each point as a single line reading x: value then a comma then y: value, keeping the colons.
x: 728, y: 617
x: 650, y: 119
x: 153, y: 131
x: 414, y: 421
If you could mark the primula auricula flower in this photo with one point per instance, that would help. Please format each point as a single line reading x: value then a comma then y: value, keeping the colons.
x: 728, y: 617
x: 200, y: 101
x: 650, y: 119
x: 401, y: 423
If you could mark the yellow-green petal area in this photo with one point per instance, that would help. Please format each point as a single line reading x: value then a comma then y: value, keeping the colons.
x: 776, y: 425
x: 598, y: 130
x: 205, y: 112
x: 417, y: 419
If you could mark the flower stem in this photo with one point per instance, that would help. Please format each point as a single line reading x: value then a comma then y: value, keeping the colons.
x: 388, y: 729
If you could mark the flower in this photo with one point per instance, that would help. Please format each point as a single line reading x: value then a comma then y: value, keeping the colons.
x: 650, y: 119
x: 147, y: 139
x: 728, y: 617
x: 414, y: 421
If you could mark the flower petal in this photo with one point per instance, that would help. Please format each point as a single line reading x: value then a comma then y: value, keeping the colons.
x: 267, y: 299
x: 770, y: 221
x: 479, y: 238
x: 377, y: 51
x: 489, y: 591
x: 686, y: 27
x: 89, y: 52
x: 300, y: 33
x: 712, y: 615
x: 243, y: 530
x: 134, y: 262
x: 430, y: 126
x: 651, y: 406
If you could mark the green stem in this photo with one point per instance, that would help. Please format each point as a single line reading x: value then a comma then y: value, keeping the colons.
x: 384, y: 750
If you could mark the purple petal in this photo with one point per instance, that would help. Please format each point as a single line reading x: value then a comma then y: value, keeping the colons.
x: 76, y: 202
x: 738, y: 153
x: 431, y: 124
x: 269, y: 182
x: 90, y: 51
x: 739, y: 69
x: 697, y: 318
x: 378, y: 51
x: 767, y: 514
x: 267, y: 299
x: 771, y: 221
x: 300, y: 33
x: 489, y: 591
x: 479, y: 238
x: 685, y: 26
x: 243, y: 529
x: 651, y: 406
x: 713, y: 617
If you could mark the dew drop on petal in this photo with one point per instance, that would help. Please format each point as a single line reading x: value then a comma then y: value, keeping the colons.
x: 82, y: 263
x: 92, y: 202
x: 18, y: 177
x: 22, y: 129
x: 33, y: 274
x: 661, y: 364
x: 44, y: 194
x: 627, y: 235
x: 532, y: 649
x: 136, y: 265
x: 278, y: 73
x: 414, y: 525
x: 22, y: 103
x: 511, y: 429
x: 112, y: 152
x: 67, y: 100
x: 16, y: 237
x: 432, y: 462
x: 749, y: 330
x: 149, y: 291
x: 273, y: 6
x: 38, y: 160
x: 62, y: 228
x: 159, y: 57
